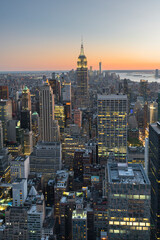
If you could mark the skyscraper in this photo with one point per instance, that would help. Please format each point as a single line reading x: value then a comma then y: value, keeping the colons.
x: 112, y: 126
x: 154, y: 176
x: 100, y: 67
x: 26, y: 99
x: 82, y: 80
x: 47, y: 113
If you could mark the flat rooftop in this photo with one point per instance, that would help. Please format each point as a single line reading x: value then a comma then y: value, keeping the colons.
x: 112, y: 97
x: 127, y: 173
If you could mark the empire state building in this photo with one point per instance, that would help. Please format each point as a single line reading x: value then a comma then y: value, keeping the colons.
x: 82, y: 80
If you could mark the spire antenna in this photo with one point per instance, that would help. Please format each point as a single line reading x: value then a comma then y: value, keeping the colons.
x: 82, y: 48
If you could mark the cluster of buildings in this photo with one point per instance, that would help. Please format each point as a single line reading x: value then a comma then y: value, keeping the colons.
x: 79, y: 156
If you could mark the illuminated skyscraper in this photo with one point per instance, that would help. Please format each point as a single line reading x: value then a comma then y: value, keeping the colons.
x: 47, y: 113
x: 82, y: 80
x: 26, y: 99
x: 112, y: 126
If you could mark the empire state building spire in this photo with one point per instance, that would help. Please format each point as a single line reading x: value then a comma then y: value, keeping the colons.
x: 82, y: 50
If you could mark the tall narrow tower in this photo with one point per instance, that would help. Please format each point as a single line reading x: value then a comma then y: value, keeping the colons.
x: 82, y: 79
x: 47, y: 113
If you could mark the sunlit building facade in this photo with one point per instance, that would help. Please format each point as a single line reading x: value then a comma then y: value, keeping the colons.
x: 112, y: 126
x: 128, y: 194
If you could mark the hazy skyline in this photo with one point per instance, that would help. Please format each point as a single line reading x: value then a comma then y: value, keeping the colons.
x: 46, y: 34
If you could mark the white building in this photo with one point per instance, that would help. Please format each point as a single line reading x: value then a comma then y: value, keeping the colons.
x: 19, y: 191
x: 19, y: 167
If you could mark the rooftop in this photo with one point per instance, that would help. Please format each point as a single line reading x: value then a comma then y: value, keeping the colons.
x: 127, y: 173
x: 112, y: 97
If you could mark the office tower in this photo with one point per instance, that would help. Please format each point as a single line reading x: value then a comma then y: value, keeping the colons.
x: 159, y: 107
x: 19, y: 167
x: 78, y: 117
x: 35, y: 219
x: 19, y: 191
x: 46, y: 113
x: 26, y: 120
x: 46, y: 158
x: 26, y: 99
x: 35, y: 127
x: 82, y: 80
x: 5, y: 158
x: 1, y: 135
x: 72, y: 140
x: 16, y: 223
x: 11, y: 130
x: 28, y: 142
x: 100, y: 68
x: 67, y: 111
x: 154, y: 176
x: 56, y: 87
x: 4, y: 93
x: 61, y: 186
x: 128, y: 191
x: 112, y: 126
x: 146, y: 155
x: 125, y: 86
x: 60, y: 116
x: 5, y: 115
x: 79, y: 224
x: 153, y: 112
x: 143, y: 88
x: 66, y: 92
x: 156, y: 73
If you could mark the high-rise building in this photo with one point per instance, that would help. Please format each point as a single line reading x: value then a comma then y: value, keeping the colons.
x: 16, y: 223
x: 156, y: 73
x: 128, y: 191
x: 26, y: 99
x: 19, y: 191
x: 26, y: 119
x: 143, y: 88
x: 4, y: 93
x: 5, y: 115
x: 79, y: 224
x: 100, y: 68
x: 78, y: 117
x: 153, y: 112
x: 60, y: 116
x: 112, y: 126
x: 66, y: 92
x: 46, y: 158
x: 47, y: 113
x: 82, y: 80
x: 19, y: 167
x: 28, y: 142
x: 154, y: 176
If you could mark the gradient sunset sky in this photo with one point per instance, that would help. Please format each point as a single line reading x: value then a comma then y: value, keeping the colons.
x: 46, y: 34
